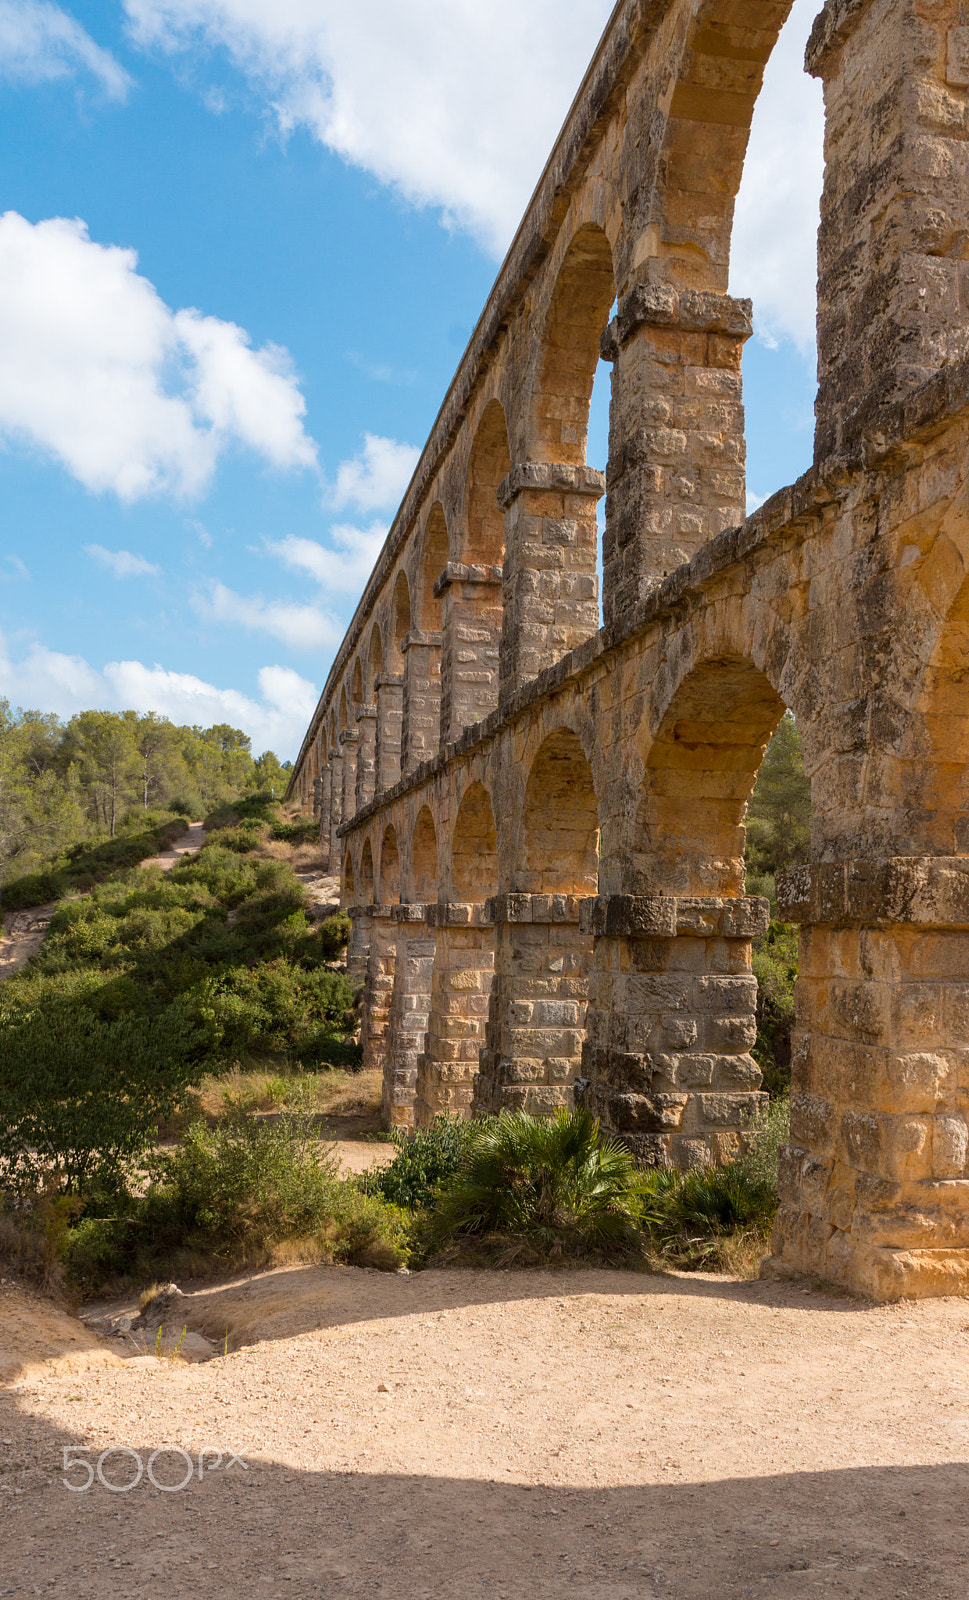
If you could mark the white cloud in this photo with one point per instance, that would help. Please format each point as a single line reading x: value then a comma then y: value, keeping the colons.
x: 456, y: 105
x: 452, y: 102
x: 776, y: 221
x: 122, y: 563
x: 302, y: 627
x: 375, y: 478
x: 40, y: 42
x: 65, y: 684
x: 343, y: 570
x: 131, y: 397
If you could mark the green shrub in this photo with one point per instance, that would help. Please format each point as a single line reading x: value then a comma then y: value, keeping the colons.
x: 255, y: 807
x: 333, y: 934
x: 83, y: 866
x: 758, y: 1164
x: 540, y: 1189
x: 425, y: 1159
x: 273, y: 1008
x: 231, y: 1195
x: 242, y: 839
x: 774, y: 964
x: 144, y: 984
x: 303, y: 832
x: 35, y: 889
x: 690, y: 1215
x: 81, y: 1097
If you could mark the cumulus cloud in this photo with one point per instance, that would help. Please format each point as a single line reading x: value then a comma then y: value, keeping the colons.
x: 40, y: 42
x: 122, y: 563
x: 343, y: 570
x: 429, y: 97
x: 374, y: 479
x: 453, y: 103
x: 774, y: 256
x: 65, y: 684
x: 301, y: 627
x: 131, y: 397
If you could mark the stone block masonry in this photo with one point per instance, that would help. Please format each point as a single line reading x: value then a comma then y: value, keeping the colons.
x: 561, y: 804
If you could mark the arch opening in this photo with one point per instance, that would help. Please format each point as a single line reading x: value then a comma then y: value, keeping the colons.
x: 577, y: 318
x: 474, y: 853
x: 701, y: 767
x: 348, y: 885
x: 389, y: 890
x: 434, y: 559
x: 424, y: 857
x: 375, y: 663
x: 400, y: 620
x: 356, y: 688
x: 490, y: 463
x: 560, y: 833
x: 366, y: 874
x: 938, y: 744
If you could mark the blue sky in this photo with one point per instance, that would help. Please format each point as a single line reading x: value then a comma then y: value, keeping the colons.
x: 242, y: 246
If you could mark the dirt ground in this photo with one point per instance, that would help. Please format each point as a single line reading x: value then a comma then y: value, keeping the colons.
x: 516, y: 1435
x: 21, y: 935
x: 187, y: 844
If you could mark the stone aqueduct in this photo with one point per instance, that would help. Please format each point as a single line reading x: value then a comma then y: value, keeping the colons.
x: 539, y: 820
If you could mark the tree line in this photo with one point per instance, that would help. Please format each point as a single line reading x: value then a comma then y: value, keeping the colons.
x: 101, y: 772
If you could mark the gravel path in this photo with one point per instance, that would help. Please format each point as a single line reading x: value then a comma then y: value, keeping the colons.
x: 23, y: 933
x: 188, y: 844
x: 515, y: 1436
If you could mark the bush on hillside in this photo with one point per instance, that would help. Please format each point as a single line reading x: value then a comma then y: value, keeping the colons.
x: 211, y: 964
x: 333, y: 933
x: 81, y: 1095
x: 304, y: 831
x: 84, y: 866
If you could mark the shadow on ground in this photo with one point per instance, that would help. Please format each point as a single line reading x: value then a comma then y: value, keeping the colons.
x: 867, y: 1534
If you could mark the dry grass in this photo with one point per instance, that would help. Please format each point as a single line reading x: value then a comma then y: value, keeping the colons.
x: 333, y: 1093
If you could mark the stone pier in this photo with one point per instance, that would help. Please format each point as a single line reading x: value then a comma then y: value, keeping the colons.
x: 464, y: 965
x: 537, y: 1014
x: 666, y: 1063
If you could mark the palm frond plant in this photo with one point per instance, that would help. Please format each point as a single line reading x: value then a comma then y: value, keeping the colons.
x: 699, y: 1218
x: 540, y: 1189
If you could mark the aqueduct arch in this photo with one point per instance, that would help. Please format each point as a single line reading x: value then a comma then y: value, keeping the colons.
x: 843, y: 597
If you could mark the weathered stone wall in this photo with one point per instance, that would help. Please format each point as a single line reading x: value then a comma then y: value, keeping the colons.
x: 565, y: 816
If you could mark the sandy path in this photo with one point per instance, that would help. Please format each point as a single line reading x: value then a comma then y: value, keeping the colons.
x: 591, y: 1434
x: 188, y: 844
x: 23, y: 934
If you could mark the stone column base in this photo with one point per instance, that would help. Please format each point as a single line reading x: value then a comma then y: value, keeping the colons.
x: 536, y: 1020
x: 464, y: 967
x: 409, y: 1007
x: 378, y: 989
x: 672, y: 1001
x: 874, y: 1184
